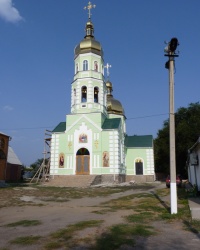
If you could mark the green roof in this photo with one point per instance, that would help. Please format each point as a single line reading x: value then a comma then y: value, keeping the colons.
x: 111, y: 123
x: 139, y: 141
x: 61, y: 127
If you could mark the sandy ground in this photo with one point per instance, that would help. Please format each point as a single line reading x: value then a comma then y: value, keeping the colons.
x: 57, y: 215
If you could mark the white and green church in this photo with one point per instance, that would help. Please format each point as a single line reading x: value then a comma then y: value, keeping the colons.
x: 93, y: 139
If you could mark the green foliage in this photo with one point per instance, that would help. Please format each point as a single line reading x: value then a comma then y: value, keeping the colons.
x: 24, y: 223
x: 121, y: 234
x: 36, y: 164
x: 68, y: 232
x: 187, y: 130
x: 142, y: 217
x: 53, y: 245
x: 26, y: 241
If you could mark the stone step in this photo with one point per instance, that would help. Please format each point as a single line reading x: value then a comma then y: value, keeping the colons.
x: 73, y: 180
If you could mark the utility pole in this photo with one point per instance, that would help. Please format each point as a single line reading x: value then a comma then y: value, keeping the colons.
x: 171, y: 53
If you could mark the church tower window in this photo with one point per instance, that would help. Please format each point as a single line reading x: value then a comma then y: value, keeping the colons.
x: 96, y: 66
x: 84, y: 94
x: 85, y: 65
x: 76, y: 69
x: 74, y: 96
x: 96, y: 94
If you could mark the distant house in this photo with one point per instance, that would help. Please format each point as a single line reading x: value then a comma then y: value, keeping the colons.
x: 194, y: 164
x: 14, y: 166
x: 4, y: 140
x: 10, y: 165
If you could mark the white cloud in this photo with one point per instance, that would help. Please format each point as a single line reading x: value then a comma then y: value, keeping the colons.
x: 7, y: 108
x: 8, y: 12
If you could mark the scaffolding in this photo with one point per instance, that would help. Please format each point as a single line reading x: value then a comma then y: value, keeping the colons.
x: 43, y: 172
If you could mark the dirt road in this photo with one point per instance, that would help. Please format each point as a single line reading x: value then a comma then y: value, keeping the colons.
x: 58, y: 215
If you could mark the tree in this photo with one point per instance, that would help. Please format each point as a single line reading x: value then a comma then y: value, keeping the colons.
x: 36, y: 164
x: 187, y: 131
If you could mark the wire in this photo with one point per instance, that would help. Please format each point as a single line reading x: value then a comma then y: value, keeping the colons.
x: 26, y: 128
x: 34, y: 128
x: 140, y: 117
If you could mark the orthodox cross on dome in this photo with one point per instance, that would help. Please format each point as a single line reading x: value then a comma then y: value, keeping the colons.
x: 107, y: 66
x: 89, y: 7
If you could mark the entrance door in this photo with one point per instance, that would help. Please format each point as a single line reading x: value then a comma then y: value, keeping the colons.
x: 82, y: 162
x: 139, y: 168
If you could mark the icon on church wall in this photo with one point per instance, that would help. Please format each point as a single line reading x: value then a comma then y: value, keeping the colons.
x: 70, y: 145
x: 61, y: 160
x: 83, y: 138
x: 105, y: 159
x: 96, y: 143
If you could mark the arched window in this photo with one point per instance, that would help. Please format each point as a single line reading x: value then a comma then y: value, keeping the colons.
x: 85, y: 65
x: 96, y: 66
x: 74, y: 96
x: 84, y: 94
x: 76, y: 69
x: 96, y: 94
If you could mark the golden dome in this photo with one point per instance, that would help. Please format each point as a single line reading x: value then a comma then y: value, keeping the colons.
x: 89, y: 44
x: 113, y: 106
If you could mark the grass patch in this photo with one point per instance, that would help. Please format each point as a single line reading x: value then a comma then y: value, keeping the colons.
x: 53, y: 245
x: 54, y: 199
x: 24, y: 223
x: 25, y: 241
x: 193, y: 226
x: 119, y: 235
x: 10, y: 196
x: 125, y: 202
x: 67, y: 233
x: 162, y: 192
x: 142, y: 217
x: 151, y: 204
x: 103, y: 211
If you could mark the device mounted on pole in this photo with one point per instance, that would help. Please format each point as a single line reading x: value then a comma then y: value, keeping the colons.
x: 170, y: 49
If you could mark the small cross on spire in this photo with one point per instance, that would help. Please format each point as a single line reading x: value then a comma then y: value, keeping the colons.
x: 89, y: 7
x: 107, y: 66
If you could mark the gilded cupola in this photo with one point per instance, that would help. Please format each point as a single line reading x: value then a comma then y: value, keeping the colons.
x: 113, y: 106
x: 89, y: 44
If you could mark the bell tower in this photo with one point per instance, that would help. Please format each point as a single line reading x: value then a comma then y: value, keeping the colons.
x: 88, y: 89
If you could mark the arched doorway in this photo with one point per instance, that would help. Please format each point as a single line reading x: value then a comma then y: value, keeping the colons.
x: 83, y: 162
x: 139, y: 167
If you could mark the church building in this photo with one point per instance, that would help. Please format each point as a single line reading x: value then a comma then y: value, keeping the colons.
x: 93, y: 139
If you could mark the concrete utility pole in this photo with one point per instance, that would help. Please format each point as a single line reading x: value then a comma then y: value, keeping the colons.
x: 170, y: 50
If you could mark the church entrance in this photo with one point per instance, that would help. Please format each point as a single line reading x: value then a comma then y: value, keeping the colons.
x: 139, y: 167
x: 82, y: 162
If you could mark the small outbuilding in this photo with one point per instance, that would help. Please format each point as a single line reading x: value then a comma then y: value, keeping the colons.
x: 10, y: 165
x: 14, y: 166
x: 194, y: 164
x: 4, y: 140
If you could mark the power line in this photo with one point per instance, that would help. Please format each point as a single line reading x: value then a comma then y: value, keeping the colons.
x: 26, y: 128
x: 34, y: 128
x: 146, y: 116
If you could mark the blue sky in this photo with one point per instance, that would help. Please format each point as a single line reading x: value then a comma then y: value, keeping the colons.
x: 37, y: 44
